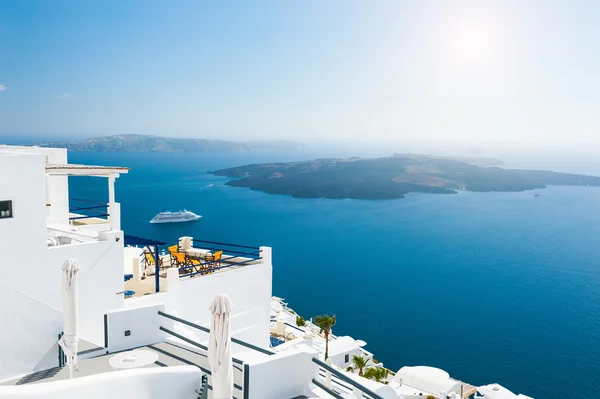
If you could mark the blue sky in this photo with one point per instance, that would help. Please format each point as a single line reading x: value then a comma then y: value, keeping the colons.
x: 429, y: 70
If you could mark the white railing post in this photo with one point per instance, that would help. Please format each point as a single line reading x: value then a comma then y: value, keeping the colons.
x: 328, y: 375
x: 266, y: 255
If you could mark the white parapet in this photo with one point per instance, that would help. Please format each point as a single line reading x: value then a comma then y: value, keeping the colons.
x: 142, y: 383
x: 266, y: 255
x: 284, y: 375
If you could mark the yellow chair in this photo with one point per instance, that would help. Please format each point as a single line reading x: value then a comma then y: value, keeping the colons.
x: 149, y: 259
x: 214, y: 260
x: 197, y: 266
x: 177, y: 258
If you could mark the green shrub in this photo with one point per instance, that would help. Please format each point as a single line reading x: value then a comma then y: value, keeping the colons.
x: 300, y: 322
x: 430, y: 397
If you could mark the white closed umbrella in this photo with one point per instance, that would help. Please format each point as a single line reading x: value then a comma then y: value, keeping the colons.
x: 70, y: 306
x: 219, y: 348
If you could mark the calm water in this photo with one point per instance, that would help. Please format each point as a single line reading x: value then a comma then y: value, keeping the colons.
x: 495, y: 287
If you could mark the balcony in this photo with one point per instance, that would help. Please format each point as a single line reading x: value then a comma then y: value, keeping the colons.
x: 61, y: 234
x: 192, y: 259
x: 89, y: 213
x: 98, y: 216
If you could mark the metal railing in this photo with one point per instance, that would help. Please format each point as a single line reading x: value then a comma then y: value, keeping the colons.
x: 193, y: 343
x: 203, y: 391
x: 326, y: 389
x: 341, y: 376
x: 233, y: 250
x: 246, y: 369
x: 223, y: 263
x: 232, y: 255
x: 91, y: 209
x: 62, y: 358
x: 293, y: 326
x: 207, y: 330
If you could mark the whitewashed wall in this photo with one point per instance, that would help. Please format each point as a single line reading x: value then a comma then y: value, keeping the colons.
x: 56, y: 187
x: 143, y: 325
x: 22, y: 180
x: 339, y: 359
x: 250, y: 291
x: 285, y: 375
x: 100, y: 280
x: 29, y: 334
x: 33, y: 268
x: 248, y: 287
x: 179, y: 382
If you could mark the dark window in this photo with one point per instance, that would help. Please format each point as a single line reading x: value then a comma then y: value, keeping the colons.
x: 347, y: 358
x: 6, y: 209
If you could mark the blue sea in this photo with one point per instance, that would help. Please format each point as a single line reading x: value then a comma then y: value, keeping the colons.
x: 491, y: 287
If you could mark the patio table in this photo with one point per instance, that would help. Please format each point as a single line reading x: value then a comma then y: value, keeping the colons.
x: 133, y: 359
x: 197, y: 253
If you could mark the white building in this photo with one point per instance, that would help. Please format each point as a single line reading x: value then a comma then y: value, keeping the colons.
x: 39, y: 231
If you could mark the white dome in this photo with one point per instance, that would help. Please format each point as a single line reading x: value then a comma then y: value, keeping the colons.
x: 427, y: 379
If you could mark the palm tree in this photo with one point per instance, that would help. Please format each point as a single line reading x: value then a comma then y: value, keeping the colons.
x: 325, y: 323
x: 376, y: 373
x: 359, y: 363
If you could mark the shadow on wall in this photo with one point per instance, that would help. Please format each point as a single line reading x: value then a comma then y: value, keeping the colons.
x: 30, y: 343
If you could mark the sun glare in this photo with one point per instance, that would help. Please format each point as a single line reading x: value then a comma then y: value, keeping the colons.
x: 470, y: 43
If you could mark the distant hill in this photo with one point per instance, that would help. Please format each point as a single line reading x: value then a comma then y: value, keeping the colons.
x: 145, y: 143
x: 391, y: 177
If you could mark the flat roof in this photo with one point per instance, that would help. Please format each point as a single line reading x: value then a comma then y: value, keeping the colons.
x: 170, y: 353
x: 84, y: 170
x: 342, y: 344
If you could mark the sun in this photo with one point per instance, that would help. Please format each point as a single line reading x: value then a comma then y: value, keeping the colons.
x: 469, y: 44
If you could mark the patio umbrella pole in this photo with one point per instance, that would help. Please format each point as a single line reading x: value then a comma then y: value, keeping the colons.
x: 70, y: 306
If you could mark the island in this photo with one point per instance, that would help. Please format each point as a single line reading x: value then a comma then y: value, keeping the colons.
x: 148, y: 143
x: 391, y: 177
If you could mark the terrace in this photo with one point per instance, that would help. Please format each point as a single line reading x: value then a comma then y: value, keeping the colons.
x: 84, y: 212
x: 258, y: 373
x: 73, y: 220
x: 85, y: 220
x: 184, y: 260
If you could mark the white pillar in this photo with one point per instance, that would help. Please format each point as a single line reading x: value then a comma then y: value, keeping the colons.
x: 115, y: 216
x: 111, y: 189
x: 135, y: 268
x: 114, y: 210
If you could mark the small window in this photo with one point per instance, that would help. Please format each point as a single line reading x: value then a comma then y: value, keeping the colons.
x: 347, y: 358
x: 6, y: 209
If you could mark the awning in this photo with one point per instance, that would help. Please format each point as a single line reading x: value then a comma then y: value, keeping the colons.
x: 84, y: 170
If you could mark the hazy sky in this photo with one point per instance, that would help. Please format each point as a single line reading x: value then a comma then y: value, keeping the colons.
x: 429, y: 70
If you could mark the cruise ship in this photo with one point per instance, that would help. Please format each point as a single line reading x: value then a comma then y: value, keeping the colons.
x: 91, y: 311
x: 175, y: 217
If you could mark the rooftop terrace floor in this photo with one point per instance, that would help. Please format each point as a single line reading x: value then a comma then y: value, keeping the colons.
x: 147, y: 285
x: 169, y: 355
